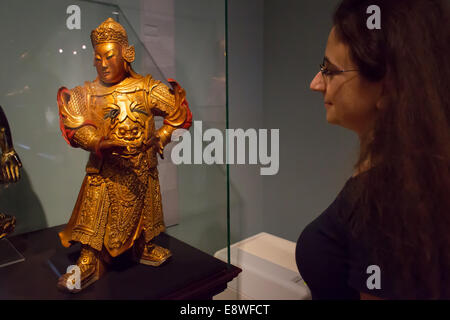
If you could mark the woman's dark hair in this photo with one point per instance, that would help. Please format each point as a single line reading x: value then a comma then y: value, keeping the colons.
x: 405, y: 198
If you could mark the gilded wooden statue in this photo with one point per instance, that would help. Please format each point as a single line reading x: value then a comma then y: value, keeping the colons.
x: 119, y: 204
x: 10, y: 170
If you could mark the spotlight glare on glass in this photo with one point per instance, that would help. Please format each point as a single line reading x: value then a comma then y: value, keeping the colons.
x: 84, y: 47
x: 60, y: 50
x: 74, y: 52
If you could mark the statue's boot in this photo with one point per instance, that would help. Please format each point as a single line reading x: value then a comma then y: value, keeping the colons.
x: 151, y: 254
x: 92, y: 267
x: 7, y: 225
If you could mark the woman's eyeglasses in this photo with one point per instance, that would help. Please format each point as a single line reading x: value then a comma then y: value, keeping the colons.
x: 326, y: 72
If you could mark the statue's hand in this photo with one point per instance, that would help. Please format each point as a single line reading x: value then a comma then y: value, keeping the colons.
x: 10, y: 165
x: 156, y: 143
x: 112, y: 146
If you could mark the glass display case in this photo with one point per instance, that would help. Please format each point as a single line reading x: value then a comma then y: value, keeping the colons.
x: 49, y: 47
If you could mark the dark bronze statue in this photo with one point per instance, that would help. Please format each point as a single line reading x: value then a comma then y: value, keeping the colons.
x: 10, y: 165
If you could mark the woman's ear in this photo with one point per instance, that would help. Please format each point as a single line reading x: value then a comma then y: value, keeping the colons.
x: 381, y: 103
x: 382, y: 99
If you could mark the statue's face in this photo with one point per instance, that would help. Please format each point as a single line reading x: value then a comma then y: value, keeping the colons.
x: 109, y: 62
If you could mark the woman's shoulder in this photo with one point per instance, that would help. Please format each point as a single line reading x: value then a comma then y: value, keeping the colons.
x: 338, y: 217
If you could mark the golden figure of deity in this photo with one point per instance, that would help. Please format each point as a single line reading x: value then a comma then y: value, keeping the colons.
x: 119, y: 204
x: 10, y: 170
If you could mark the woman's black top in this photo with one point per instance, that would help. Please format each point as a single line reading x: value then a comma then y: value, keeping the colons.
x: 333, y: 263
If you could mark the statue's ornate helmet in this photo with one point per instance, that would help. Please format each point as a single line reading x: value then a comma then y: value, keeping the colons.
x: 112, y: 31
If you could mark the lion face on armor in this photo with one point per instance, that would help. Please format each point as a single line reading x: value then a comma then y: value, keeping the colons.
x: 127, y: 123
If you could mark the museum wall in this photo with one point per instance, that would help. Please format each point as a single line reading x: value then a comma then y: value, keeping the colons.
x: 246, y: 78
x: 316, y: 158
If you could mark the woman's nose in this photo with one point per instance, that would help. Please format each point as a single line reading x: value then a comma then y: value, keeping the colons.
x: 318, y: 83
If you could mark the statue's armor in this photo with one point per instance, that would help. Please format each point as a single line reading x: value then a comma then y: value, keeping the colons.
x: 120, y: 197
